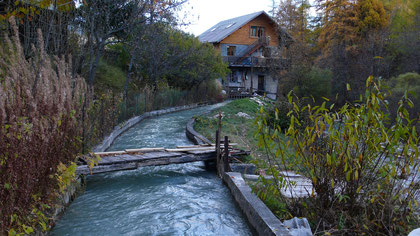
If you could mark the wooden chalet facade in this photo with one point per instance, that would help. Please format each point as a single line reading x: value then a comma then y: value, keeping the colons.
x: 250, y: 44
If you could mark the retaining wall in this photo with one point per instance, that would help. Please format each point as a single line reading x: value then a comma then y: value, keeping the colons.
x: 118, y: 130
x: 256, y: 212
x: 193, y: 135
x: 62, y: 202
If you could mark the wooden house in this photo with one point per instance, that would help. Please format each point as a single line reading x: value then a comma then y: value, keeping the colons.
x: 251, y: 45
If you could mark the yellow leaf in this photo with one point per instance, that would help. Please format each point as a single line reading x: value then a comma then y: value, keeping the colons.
x: 368, y: 81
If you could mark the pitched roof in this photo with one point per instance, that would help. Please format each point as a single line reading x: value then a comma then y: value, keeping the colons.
x: 225, y: 28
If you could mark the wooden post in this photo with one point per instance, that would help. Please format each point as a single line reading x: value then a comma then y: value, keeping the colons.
x: 252, y: 77
x: 219, y: 163
x: 217, y: 151
x: 226, y: 167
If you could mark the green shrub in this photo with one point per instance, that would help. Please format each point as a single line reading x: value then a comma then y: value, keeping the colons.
x: 364, y: 171
x: 309, y: 82
x: 408, y: 85
x: 109, y: 76
x: 406, y: 82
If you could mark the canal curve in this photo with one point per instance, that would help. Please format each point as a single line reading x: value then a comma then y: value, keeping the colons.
x: 180, y: 199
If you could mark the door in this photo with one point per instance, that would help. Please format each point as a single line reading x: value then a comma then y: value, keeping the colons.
x: 261, y: 83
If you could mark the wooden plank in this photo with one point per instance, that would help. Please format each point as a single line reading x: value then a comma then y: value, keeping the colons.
x: 178, y: 159
x: 131, y: 158
x: 175, y: 160
x: 230, y: 144
x: 105, y: 168
x: 203, y: 152
x: 111, y: 160
x: 103, y: 161
x: 109, y: 153
x: 196, y: 146
x: 155, y: 155
x: 190, y: 149
x: 144, y: 150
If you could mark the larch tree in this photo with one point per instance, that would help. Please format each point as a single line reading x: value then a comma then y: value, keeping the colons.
x: 349, y: 43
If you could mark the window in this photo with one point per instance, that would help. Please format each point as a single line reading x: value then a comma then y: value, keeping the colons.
x: 257, y: 31
x: 231, y: 50
x: 233, y: 77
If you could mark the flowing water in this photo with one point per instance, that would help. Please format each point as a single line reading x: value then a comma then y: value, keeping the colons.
x: 180, y: 199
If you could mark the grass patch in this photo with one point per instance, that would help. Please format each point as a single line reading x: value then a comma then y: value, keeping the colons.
x: 239, y: 129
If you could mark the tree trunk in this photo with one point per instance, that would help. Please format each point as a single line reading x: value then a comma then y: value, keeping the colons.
x: 127, y: 80
x: 94, y: 61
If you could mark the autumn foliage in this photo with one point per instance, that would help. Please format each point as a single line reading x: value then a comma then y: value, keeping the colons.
x: 39, y: 100
x: 362, y: 163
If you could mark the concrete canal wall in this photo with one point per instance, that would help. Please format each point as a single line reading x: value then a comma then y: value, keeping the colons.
x: 118, y: 130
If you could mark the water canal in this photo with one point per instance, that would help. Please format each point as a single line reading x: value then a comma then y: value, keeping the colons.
x: 167, y: 200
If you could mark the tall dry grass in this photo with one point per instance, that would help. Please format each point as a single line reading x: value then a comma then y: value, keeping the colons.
x: 39, y: 108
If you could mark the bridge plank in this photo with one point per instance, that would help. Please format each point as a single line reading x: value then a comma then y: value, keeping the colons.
x: 105, y: 168
x: 198, y: 152
x: 141, y: 161
x: 111, y: 160
x: 131, y: 158
x: 154, y: 155
x: 145, y: 150
x: 196, y: 146
x: 190, y: 149
x: 109, y: 153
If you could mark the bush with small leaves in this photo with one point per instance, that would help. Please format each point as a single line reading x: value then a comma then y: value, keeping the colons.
x: 363, y: 166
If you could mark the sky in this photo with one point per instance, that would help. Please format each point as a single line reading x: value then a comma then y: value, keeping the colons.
x: 203, y: 14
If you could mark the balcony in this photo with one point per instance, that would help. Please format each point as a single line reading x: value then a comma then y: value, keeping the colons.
x: 261, y: 62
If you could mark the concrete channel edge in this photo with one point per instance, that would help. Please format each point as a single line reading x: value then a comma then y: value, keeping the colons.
x: 262, y: 220
x: 119, y: 129
x: 193, y: 135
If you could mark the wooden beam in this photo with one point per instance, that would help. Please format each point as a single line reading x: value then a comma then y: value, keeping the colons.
x: 178, y: 159
x: 195, y: 146
x: 144, y: 150
x: 190, y: 149
x: 109, y: 153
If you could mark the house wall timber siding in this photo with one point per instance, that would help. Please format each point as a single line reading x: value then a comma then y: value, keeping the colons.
x: 243, y: 34
x: 239, y: 49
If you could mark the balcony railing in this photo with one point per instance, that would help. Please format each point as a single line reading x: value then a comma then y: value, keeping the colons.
x: 257, y: 62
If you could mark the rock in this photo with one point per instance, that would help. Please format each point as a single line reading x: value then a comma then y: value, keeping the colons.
x: 298, y: 227
x: 415, y: 232
x: 257, y: 100
x: 244, y: 115
x: 217, y: 115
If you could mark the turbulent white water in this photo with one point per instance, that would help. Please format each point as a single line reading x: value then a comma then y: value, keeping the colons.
x: 169, y: 200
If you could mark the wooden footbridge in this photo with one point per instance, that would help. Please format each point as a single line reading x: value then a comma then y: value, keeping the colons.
x: 134, y: 158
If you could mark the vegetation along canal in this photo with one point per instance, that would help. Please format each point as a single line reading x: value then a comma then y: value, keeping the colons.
x: 168, y: 200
